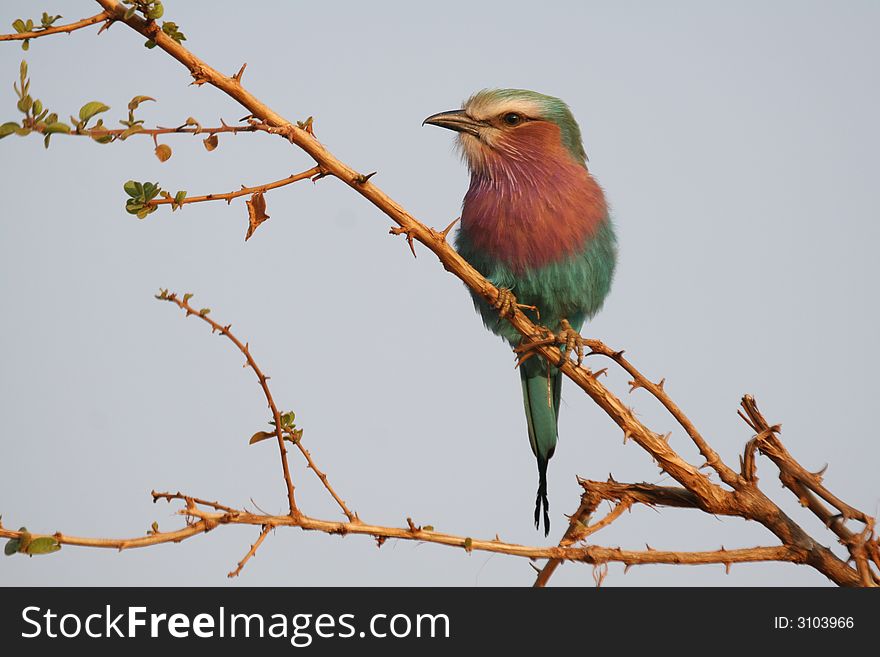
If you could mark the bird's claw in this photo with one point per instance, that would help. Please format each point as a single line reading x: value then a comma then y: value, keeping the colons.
x: 568, y: 339
x: 571, y: 340
x: 505, y: 303
x: 526, y: 350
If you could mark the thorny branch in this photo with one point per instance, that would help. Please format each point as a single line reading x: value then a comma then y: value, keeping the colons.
x: 244, y: 348
x: 736, y: 495
x: 56, y: 29
x: 244, y: 191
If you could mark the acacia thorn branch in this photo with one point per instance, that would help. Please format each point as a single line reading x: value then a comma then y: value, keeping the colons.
x: 98, y: 133
x: 252, y: 551
x: 244, y: 191
x: 55, y: 29
x: 202, y: 314
x: 353, y: 517
x: 596, y: 555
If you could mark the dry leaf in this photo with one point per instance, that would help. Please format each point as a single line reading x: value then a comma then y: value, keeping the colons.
x: 256, y: 213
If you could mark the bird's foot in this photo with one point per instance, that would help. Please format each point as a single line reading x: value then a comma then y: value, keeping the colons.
x: 526, y: 349
x: 506, y: 304
x: 569, y: 340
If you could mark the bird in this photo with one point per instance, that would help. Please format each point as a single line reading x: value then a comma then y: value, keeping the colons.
x: 535, y: 223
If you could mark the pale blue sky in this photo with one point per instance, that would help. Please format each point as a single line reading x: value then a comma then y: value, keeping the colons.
x: 737, y: 143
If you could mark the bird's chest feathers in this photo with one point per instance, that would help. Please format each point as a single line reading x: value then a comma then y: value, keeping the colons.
x: 528, y: 207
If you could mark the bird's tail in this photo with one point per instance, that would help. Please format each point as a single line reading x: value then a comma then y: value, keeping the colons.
x: 541, y: 393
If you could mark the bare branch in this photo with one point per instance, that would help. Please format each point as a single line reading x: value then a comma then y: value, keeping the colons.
x: 263, y: 379
x: 252, y: 551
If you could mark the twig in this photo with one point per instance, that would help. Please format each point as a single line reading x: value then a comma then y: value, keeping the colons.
x: 224, y: 330
x: 252, y: 551
x: 244, y: 191
x: 353, y: 517
x: 70, y: 27
x: 168, y: 497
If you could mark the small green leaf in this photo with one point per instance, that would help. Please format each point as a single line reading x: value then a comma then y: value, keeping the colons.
x: 25, y: 104
x: 12, y: 546
x: 23, y: 69
x: 163, y: 152
x: 90, y: 109
x: 132, y: 188
x: 26, y: 45
x: 156, y: 11
x: 38, y: 107
x: 155, y: 527
x: 53, y: 128
x: 187, y: 297
x: 137, y: 100
x: 204, y: 312
x: 260, y: 435
x: 178, y: 200
x: 8, y: 128
x: 128, y: 132
x: 150, y: 44
x: 468, y: 544
x: 428, y: 528
x: 43, y: 545
x: 18, y: 25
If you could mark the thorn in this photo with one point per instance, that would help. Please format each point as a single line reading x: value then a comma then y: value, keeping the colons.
x: 665, y: 438
x: 705, y: 465
x: 537, y: 570
x: 237, y: 76
x: 400, y: 230
x: 524, y: 358
x: 626, y: 568
x: 360, y: 179
x: 446, y: 230
x: 727, y: 568
x: 633, y: 386
x: 617, y: 354
x: 599, y: 373
x: 776, y: 428
x: 662, y: 381
x: 650, y: 549
x: 319, y: 175
x: 412, y: 526
x: 626, y: 435
x: 380, y: 541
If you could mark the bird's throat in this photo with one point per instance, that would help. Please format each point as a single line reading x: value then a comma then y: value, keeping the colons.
x: 530, y: 202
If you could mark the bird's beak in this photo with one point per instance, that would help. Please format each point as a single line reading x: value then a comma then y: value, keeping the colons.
x: 457, y: 120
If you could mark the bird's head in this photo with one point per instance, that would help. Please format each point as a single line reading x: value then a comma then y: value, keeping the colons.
x: 512, y: 124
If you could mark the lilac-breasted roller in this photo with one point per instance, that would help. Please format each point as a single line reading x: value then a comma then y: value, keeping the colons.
x: 535, y: 223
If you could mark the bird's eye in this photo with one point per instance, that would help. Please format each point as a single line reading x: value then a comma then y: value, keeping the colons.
x: 512, y: 118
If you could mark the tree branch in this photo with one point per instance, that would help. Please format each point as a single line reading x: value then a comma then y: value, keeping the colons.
x: 596, y: 555
x: 202, y: 314
x: 244, y: 191
x: 70, y: 27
